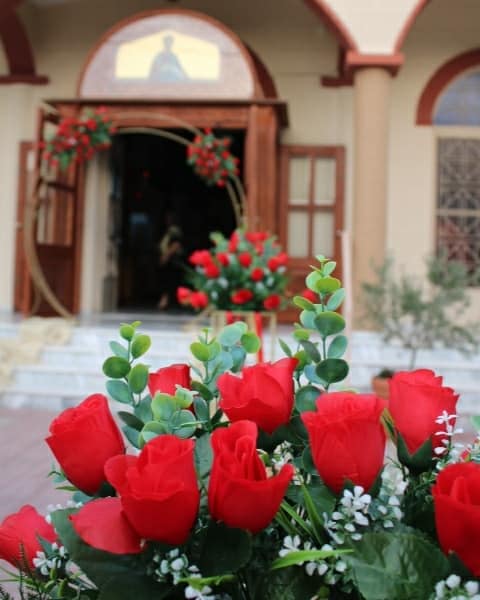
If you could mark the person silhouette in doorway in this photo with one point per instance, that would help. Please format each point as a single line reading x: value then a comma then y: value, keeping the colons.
x: 170, y: 259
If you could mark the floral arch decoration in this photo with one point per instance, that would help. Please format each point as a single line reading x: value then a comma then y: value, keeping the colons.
x: 172, y: 54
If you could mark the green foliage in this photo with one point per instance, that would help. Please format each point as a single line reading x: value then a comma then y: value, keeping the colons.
x: 422, y: 314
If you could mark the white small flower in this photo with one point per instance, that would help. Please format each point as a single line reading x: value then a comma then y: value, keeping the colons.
x: 177, y: 564
x: 341, y: 566
x: 453, y: 581
x: 471, y: 587
x: 440, y: 589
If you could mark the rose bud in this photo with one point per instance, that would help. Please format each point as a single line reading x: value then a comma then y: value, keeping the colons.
x: 239, y: 492
x: 456, y: 499
x: 263, y: 394
x: 18, y: 536
x: 347, y: 438
x: 166, y: 379
x: 417, y: 399
x: 83, y: 439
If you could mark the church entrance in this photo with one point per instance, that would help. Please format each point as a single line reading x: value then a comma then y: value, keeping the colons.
x: 161, y: 211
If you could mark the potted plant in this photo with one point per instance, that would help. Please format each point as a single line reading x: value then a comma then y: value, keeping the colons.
x: 421, y: 314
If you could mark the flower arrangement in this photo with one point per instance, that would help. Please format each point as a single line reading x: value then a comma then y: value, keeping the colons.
x: 244, y: 272
x: 77, y: 140
x: 256, y: 482
x: 211, y: 158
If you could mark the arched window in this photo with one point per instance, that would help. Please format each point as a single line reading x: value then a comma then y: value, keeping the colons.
x: 451, y: 101
x: 170, y: 54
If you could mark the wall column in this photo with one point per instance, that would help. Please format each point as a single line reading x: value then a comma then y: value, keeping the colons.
x: 371, y: 125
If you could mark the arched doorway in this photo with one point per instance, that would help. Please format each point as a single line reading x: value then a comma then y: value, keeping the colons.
x: 152, y: 70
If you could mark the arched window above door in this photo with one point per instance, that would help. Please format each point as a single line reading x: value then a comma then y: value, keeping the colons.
x: 170, y: 54
x: 459, y: 104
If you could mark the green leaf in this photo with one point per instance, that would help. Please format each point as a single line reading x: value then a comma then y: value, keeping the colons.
x: 138, y: 378
x: 303, y: 303
x: 119, y: 391
x: 306, y: 397
x: 301, y: 556
x: 291, y: 583
x: 301, y: 334
x: 420, y: 461
x: 311, y: 349
x: 116, y: 367
x: 143, y: 410
x: 329, y: 323
x: 201, y: 409
x: 285, y: 347
x: 396, y: 565
x: 327, y: 285
x: 131, y: 420
x: 200, y: 351
x: 110, y: 572
x: 140, y: 345
x: 163, y: 406
x: 202, y: 389
x: 183, y: 423
x: 119, y: 350
x: 251, y: 342
x: 311, y: 375
x: 183, y: 397
x: 332, y: 370
x: 224, y: 550
x: 231, y: 334
x: 132, y: 435
x: 307, y: 319
x: 336, y: 299
x: 337, y: 347
x: 127, y: 332
x: 214, y: 349
x: 152, y: 430
x: 203, y: 455
x: 328, y: 268
x: 475, y: 421
x: 312, y: 280
x: 308, y: 463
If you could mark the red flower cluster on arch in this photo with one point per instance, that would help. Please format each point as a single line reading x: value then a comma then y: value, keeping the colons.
x: 78, y: 139
x: 211, y: 158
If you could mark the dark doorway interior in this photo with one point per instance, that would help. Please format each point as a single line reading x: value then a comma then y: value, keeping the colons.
x: 155, y: 192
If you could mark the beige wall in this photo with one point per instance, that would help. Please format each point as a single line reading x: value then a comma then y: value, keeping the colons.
x: 298, y: 50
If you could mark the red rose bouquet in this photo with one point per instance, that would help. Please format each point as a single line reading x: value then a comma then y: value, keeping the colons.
x: 211, y: 158
x: 234, y: 482
x: 243, y: 273
x: 78, y: 139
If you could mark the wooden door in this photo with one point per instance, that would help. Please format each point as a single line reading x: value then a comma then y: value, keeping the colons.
x: 311, y: 212
x: 57, y: 232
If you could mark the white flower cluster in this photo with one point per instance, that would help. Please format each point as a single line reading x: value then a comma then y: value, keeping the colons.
x: 453, y: 589
x: 332, y: 568
x: 385, y: 509
x: 54, y: 560
x: 448, y: 452
x: 173, y: 567
x: 350, y: 516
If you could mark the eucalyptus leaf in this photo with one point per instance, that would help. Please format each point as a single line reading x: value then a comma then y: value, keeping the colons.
x: 116, y: 367
x: 230, y: 335
x: 329, y: 267
x: 303, y: 303
x: 119, y: 391
x: 306, y: 397
x: 202, y: 389
x: 131, y: 420
x: 200, y: 351
x: 327, y: 285
x: 251, y: 342
x: 307, y: 319
x: 138, y: 378
x: 337, y: 347
x: 336, y: 299
x: 203, y: 455
x: 127, y: 332
x: 143, y: 410
x: 329, y: 323
x: 132, y: 435
x: 163, y: 407
x: 332, y: 370
x: 119, y: 350
x: 140, y: 345
x: 311, y: 349
x: 285, y: 347
x: 201, y: 409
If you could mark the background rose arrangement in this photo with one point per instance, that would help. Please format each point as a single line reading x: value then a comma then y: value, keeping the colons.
x: 78, y: 139
x: 256, y: 482
x: 244, y: 272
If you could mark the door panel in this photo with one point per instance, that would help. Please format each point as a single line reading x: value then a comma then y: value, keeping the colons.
x: 311, y: 214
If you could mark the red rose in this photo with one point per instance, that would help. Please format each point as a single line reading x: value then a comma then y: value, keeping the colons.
x: 245, y: 259
x: 272, y: 302
x: 233, y: 243
x: 198, y: 300
x: 223, y: 259
x: 275, y: 262
x: 158, y: 501
x: 257, y: 274
x: 347, y: 439
x: 83, y: 439
x: 241, y: 296
x: 456, y: 498
x: 212, y: 271
x: 309, y: 295
x: 417, y: 399
x: 183, y: 295
x: 201, y: 258
x: 239, y: 492
x: 263, y: 394
x: 18, y: 536
x: 167, y: 378
x: 256, y: 236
